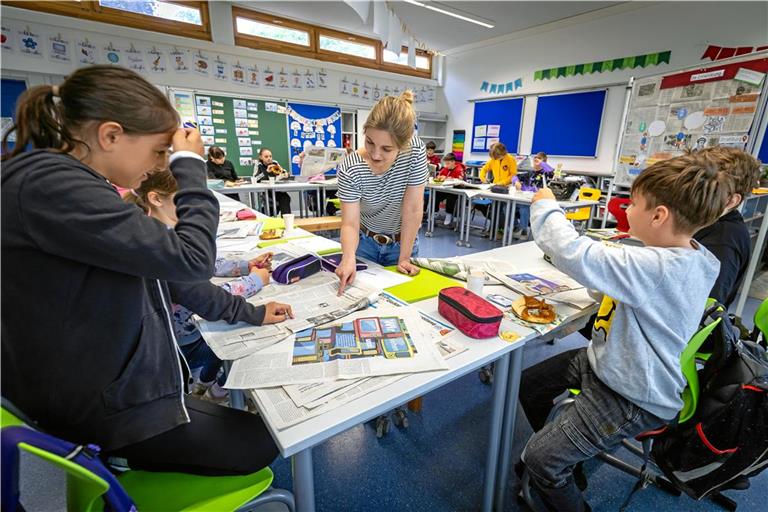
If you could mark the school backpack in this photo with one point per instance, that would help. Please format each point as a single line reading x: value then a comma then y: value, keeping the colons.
x: 726, y: 441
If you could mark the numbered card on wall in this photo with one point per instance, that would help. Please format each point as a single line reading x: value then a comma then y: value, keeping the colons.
x: 113, y: 55
x: 157, y: 63
x: 59, y: 49
x: 238, y: 73
x: 310, y: 79
x: 220, y: 69
x: 180, y: 60
x: 135, y: 59
x: 201, y: 64
x: 270, y: 80
x: 6, y: 38
x: 322, y: 79
x: 87, y: 53
x: 30, y: 43
x: 252, y: 73
x: 296, y: 80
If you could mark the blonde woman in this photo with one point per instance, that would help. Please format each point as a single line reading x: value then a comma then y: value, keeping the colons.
x: 502, y: 165
x: 381, y: 187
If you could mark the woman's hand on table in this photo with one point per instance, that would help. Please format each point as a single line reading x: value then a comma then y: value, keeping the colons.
x: 347, y: 270
x: 407, y: 268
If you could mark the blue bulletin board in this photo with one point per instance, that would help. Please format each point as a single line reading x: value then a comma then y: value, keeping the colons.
x: 11, y: 90
x: 312, y: 125
x: 497, y: 121
x: 568, y: 124
x: 762, y: 155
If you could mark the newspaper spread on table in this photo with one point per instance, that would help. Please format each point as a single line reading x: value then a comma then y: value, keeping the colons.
x: 314, y: 300
x: 386, y: 341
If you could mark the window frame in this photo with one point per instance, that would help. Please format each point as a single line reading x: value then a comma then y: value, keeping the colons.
x: 314, y: 51
x: 264, y: 43
x: 92, y: 10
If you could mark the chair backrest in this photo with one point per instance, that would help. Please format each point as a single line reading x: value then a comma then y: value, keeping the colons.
x: 585, y: 194
x: 688, y: 365
x: 761, y: 319
x: 89, y: 483
x: 617, y: 207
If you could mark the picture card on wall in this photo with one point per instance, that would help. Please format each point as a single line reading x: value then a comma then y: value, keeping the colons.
x: 156, y: 59
x: 241, y: 132
x: 245, y: 161
x: 221, y: 140
x: 478, y: 143
x: 241, y: 112
x: 490, y: 141
x: 253, y: 106
x: 58, y: 49
x: 205, y: 100
x: 239, y: 104
x: 217, y: 111
x: 241, y: 122
x: 246, y: 150
x: 30, y: 43
x: 207, y: 140
x: 204, y: 120
x: 218, y: 120
x: 206, y: 130
x: 243, y: 141
x: 221, y: 130
x: 203, y: 110
x: 180, y: 60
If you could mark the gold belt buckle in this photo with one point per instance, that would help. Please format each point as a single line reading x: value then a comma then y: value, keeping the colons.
x: 382, y: 239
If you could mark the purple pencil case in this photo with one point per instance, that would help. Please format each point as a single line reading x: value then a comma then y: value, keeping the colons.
x: 296, y: 269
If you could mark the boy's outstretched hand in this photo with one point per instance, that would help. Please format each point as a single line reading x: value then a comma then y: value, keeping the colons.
x: 275, y: 312
x: 542, y: 193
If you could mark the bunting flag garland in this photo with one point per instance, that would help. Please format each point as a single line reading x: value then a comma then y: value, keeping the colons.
x: 315, y: 122
x: 501, y: 88
x: 651, y: 59
x: 718, y: 52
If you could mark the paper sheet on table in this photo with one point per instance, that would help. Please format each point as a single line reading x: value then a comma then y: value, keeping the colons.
x: 317, y: 160
x: 387, y: 341
x: 238, y: 340
x: 246, y: 244
x: 536, y: 282
x: 380, y: 277
x: 313, y: 244
x: 576, y: 298
x: 238, y: 230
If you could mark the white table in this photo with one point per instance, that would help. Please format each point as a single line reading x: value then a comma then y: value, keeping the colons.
x: 297, y: 441
x: 464, y: 196
x: 279, y: 186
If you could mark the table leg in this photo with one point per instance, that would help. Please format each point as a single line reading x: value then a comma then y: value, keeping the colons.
x: 508, y: 430
x: 301, y: 204
x: 430, y: 214
x: 462, y: 218
x: 509, y: 218
x: 303, y: 481
x: 274, y: 203
x: 469, y: 220
x: 321, y: 206
x: 500, y: 376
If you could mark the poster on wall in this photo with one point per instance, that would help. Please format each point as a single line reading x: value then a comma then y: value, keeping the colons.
x: 113, y: 55
x: 670, y: 114
x: 220, y: 69
x: 180, y: 60
x: 157, y: 63
x: 87, y: 53
x: 30, y: 42
x: 311, y: 125
x: 59, y: 49
x: 457, y: 144
x: 238, y: 73
x: 201, y: 64
x: 6, y: 38
x: 135, y: 59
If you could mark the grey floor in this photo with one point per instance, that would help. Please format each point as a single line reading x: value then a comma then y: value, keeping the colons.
x: 437, y: 463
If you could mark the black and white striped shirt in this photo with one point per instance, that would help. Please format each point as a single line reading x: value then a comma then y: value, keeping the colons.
x: 381, y: 196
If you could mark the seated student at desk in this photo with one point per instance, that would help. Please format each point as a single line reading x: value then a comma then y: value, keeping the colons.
x: 432, y: 158
x: 531, y: 182
x: 653, y: 299
x: 267, y: 168
x: 502, y: 165
x: 451, y: 170
x: 219, y: 168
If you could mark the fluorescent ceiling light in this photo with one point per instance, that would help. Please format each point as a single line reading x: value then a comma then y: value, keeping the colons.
x: 449, y: 13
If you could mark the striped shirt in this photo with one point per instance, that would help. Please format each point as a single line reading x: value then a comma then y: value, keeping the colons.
x: 381, y: 196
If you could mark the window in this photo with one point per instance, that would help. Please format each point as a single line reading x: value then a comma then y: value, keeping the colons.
x: 423, y: 60
x: 269, y: 31
x: 347, y: 47
x: 158, y: 9
x: 272, y: 33
x: 181, y: 18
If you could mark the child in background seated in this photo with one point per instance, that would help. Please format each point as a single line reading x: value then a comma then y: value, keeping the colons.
x: 432, y: 158
x: 451, y: 170
x: 531, y: 182
x: 502, y: 165
x: 629, y: 375
x: 155, y: 197
x: 728, y: 238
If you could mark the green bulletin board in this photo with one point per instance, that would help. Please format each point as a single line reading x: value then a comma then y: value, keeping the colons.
x: 241, y: 126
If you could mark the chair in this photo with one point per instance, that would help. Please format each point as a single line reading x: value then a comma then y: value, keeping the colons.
x: 690, y: 398
x: 617, y: 207
x: 761, y: 321
x: 583, y: 214
x: 91, y: 487
x: 482, y: 205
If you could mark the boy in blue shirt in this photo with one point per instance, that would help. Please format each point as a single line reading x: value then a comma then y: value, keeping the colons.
x: 654, y: 297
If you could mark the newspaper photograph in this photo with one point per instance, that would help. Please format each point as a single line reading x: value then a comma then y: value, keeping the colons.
x: 385, y: 341
x: 317, y: 159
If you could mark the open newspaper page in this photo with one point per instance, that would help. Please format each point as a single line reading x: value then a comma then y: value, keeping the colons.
x: 317, y: 160
x: 384, y: 341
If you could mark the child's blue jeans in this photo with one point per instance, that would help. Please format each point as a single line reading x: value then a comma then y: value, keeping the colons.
x: 524, y: 211
x: 385, y: 255
x: 598, y: 420
x: 199, y: 355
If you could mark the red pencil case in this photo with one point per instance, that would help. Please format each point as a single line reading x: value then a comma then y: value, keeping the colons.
x: 470, y: 313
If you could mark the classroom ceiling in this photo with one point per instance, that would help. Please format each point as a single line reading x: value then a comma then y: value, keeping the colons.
x: 438, y: 31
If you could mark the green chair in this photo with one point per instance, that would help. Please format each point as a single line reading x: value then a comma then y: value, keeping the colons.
x: 88, y: 491
x: 761, y: 321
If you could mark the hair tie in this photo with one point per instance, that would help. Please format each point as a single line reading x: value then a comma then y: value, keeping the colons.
x: 55, y: 91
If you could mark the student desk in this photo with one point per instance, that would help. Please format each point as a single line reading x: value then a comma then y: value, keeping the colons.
x: 254, y: 189
x: 297, y: 441
x: 512, y: 199
x: 463, y: 204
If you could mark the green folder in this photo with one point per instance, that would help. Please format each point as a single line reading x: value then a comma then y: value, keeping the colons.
x: 425, y: 285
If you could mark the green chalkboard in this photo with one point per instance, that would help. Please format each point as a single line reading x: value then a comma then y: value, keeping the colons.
x: 241, y: 126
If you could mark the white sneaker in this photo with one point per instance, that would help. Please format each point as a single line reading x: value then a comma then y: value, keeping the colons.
x: 199, y: 388
x: 216, y: 394
x: 523, y: 235
x: 516, y: 233
x: 448, y: 219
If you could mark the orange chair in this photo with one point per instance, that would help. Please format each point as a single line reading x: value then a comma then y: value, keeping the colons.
x: 618, y: 208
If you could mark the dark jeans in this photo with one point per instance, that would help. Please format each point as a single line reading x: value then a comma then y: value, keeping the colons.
x: 598, y: 420
x: 283, y: 202
x: 450, y: 202
x: 199, y: 355
x: 217, y: 441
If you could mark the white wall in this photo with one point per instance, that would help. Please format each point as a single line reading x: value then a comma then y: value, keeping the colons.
x: 685, y: 28
x: 14, y: 63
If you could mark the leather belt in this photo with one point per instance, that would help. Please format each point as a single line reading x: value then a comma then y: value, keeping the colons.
x: 381, y: 238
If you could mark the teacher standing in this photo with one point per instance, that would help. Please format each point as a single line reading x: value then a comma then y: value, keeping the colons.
x: 381, y: 188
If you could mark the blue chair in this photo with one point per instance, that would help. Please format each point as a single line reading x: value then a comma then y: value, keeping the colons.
x: 483, y: 205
